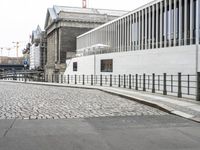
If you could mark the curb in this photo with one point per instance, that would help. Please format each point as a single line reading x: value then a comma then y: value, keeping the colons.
x: 157, y: 105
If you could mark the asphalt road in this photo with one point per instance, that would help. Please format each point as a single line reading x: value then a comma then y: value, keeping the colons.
x: 104, y: 133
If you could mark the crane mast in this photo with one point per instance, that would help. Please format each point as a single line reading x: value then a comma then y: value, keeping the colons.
x: 84, y: 4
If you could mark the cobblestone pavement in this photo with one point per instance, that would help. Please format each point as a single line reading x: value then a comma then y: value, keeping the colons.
x: 25, y: 101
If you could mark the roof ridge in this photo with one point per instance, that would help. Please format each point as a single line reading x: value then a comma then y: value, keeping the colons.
x: 91, y: 8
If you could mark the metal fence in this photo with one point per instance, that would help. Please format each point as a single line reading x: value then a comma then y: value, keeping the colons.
x: 180, y: 85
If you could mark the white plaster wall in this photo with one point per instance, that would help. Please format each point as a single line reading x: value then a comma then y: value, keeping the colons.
x: 34, y: 57
x: 165, y: 60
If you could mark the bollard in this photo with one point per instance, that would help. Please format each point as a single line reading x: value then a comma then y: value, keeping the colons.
x: 198, y: 87
x: 136, y: 82
x: 164, y: 84
x: 144, y: 82
x: 153, y: 83
x: 179, y: 85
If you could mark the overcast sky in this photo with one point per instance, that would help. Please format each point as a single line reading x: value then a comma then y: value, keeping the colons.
x: 20, y: 17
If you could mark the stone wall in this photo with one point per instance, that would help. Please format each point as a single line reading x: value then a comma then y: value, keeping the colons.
x: 68, y: 41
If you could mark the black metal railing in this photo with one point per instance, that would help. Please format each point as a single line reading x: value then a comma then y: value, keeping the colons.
x: 180, y: 85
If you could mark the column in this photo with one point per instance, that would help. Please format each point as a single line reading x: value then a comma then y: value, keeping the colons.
x: 132, y: 34
x: 142, y: 37
x: 106, y: 34
x: 139, y: 30
x: 175, y: 23
x: 197, y: 27
x: 185, y: 22
x: 128, y: 33
x: 146, y: 12
x: 120, y: 35
x: 149, y: 38
x: 169, y: 20
x: 114, y: 36
x: 165, y: 24
x: 161, y: 24
x: 157, y: 25
x: 191, y: 21
x: 117, y: 31
x: 180, y: 22
x: 125, y: 34
x: 153, y: 26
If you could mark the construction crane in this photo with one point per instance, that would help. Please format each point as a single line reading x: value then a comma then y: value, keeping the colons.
x: 84, y: 4
x: 17, y: 46
x: 5, y: 48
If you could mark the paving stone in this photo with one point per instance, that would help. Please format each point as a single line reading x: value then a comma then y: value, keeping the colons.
x: 25, y: 101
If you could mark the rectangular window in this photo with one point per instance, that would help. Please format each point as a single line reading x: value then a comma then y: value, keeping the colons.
x: 75, y: 66
x: 107, y: 65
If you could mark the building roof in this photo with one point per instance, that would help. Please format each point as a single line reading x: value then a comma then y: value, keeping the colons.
x: 58, y: 9
x: 54, y: 12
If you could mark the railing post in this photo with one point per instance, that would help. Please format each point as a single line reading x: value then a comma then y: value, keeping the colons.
x: 198, y: 87
x: 144, y: 82
x: 68, y: 79
x: 75, y: 79
x: 164, y: 84
x: 124, y: 81
x: 65, y: 79
x: 119, y: 81
x: 188, y: 84
x: 101, y: 80
x: 110, y: 80
x: 158, y: 82
x: 83, y: 79
x: 129, y: 81
x: 179, y: 85
x: 153, y: 83
x: 61, y: 78
x: 91, y: 79
x: 52, y: 78
x: 136, y: 82
x: 171, y: 83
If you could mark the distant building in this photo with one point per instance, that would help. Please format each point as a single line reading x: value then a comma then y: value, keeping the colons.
x: 63, y: 24
x: 37, y: 49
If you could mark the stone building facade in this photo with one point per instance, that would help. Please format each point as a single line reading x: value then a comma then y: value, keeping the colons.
x: 62, y: 25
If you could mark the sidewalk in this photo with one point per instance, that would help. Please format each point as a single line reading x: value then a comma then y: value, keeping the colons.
x: 186, y: 108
